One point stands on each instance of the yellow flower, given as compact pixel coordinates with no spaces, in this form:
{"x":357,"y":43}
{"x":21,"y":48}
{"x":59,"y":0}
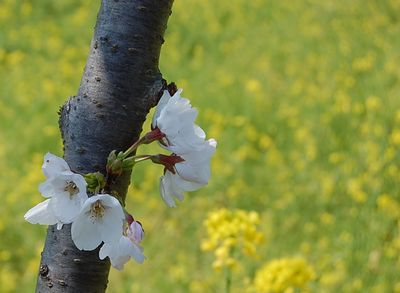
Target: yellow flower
{"x":230,"y":234}
{"x":284,"y":275}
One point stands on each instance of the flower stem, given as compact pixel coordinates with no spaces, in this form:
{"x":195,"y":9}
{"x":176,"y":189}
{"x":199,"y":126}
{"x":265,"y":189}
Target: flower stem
{"x":142,"y":158}
{"x":133,"y":147}
{"x":149,"y":137}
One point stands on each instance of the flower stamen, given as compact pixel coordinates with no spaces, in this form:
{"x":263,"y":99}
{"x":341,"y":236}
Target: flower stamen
{"x":71,"y":188}
{"x":97,"y":210}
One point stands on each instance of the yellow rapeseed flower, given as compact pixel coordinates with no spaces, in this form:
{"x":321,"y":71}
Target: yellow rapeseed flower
{"x":284,"y":275}
{"x":230,"y":234}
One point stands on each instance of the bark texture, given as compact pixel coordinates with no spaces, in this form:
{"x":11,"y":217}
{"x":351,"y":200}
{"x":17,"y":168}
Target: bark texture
{"x":120,"y":84}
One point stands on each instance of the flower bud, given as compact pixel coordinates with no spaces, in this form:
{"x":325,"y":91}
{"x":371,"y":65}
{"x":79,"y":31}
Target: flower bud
{"x":137,"y":231}
{"x":114,"y":163}
{"x":128,"y":163}
{"x":95,"y":181}
{"x":111,"y":157}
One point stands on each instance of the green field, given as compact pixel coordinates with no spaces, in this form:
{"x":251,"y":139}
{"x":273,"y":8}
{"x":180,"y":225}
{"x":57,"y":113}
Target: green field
{"x":303,"y":98}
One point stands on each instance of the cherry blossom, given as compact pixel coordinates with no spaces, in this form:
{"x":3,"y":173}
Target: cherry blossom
{"x":66,"y":193}
{"x":190,"y":175}
{"x":100,"y":220}
{"x":175,"y":118}
{"x":126,"y":248}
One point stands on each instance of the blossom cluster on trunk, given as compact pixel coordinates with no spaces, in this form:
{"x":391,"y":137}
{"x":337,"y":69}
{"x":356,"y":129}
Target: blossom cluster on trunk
{"x":96,"y":213}
{"x":175,"y":118}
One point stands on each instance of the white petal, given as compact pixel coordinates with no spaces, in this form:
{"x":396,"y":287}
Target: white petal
{"x":85,"y":233}
{"x":176,"y":190}
{"x":105,"y":250}
{"x":56,"y":183}
{"x":196,"y":167}
{"x":121,"y":251}
{"x":185,"y":141}
{"x":88,"y":203}
{"x":161,"y":104}
{"x":46,"y":188}
{"x":65,"y":207}
{"x":80,"y":182}
{"x":54,"y":165}
{"x":119,"y":261}
{"x":203,"y":153}
{"x":199,"y":132}
{"x":175,"y":114}
{"x":124,"y":246}
{"x":117,"y":257}
{"x":59,"y":181}
{"x":40,"y":214}
{"x":137,"y":253}
{"x":166,"y":192}
{"x":181,"y":184}
{"x":190,"y":139}
{"x":108,"y":201}
{"x":174,"y":121}
{"x":111,"y":227}
{"x":175,"y":118}
{"x":194,"y":173}
{"x":169,"y":189}
{"x":127,"y":247}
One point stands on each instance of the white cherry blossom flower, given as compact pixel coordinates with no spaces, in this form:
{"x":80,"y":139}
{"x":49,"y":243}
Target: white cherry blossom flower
{"x":100,"y":220}
{"x":190,"y":175}
{"x":66,"y":193}
{"x":52,"y":166}
{"x":175,"y":118}
{"x":126,"y":248}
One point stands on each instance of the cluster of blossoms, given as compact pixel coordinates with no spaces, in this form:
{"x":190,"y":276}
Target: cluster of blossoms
{"x":174,"y":119}
{"x":96,"y":219}
{"x":284,"y":275}
{"x":230,"y":233}
{"x":101,"y":218}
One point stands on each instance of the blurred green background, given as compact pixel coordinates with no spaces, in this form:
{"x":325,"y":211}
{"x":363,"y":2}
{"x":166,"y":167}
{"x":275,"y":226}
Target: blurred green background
{"x":303,"y":98}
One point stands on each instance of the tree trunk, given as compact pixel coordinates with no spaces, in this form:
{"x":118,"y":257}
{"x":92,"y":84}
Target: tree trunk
{"x":120,"y":84}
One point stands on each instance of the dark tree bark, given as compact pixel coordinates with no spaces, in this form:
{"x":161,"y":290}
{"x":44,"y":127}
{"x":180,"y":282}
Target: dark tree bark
{"x":121,"y":82}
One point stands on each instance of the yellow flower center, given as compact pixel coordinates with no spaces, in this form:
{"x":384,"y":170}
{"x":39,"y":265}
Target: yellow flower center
{"x":97,"y":210}
{"x":71,"y":188}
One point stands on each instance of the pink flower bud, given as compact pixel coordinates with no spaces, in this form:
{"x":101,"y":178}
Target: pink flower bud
{"x":136,"y":232}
